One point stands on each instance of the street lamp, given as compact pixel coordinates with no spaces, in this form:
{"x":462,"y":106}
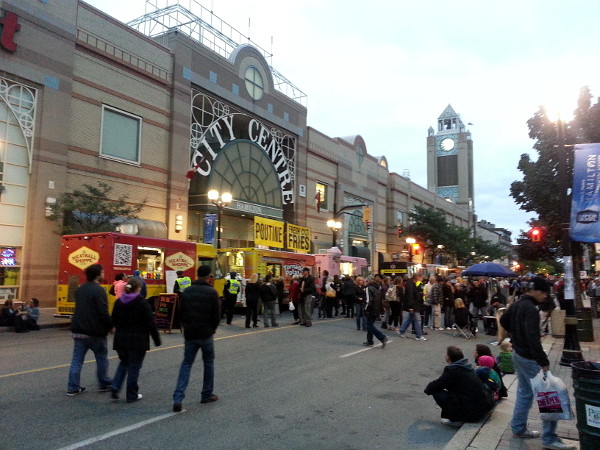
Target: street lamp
{"x":410,"y":241}
{"x":571,"y":348}
{"x":220,"y":203}
{"x":335,"y":226}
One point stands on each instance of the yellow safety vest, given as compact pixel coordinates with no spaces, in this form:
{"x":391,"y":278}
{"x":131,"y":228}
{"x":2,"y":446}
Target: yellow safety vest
{"x":184,"y":282}
{"x":234,"y":286}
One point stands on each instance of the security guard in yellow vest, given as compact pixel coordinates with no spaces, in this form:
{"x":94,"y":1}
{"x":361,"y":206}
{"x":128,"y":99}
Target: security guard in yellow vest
{"x":230,"y":292}
{"x":181,"y":283}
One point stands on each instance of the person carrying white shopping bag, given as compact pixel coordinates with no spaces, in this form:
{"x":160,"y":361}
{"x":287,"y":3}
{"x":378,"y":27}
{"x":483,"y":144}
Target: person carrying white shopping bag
{"x":522,"y":320}
{"x":552,"y":397}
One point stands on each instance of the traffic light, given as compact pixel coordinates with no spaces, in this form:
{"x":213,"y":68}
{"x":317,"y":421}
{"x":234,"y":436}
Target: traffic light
{"x":400,"y":231}
{"x":536,"y":235}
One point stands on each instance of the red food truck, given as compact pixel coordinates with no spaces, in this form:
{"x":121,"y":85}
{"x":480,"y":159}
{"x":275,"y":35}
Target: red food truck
{"x":158,"y":260}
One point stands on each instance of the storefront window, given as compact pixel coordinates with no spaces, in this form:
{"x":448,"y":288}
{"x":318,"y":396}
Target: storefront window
{"x":9,"y":273}
{"x":150,"y":262}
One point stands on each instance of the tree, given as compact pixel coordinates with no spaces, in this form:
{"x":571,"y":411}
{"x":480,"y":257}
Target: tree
{"x":91,"y":210}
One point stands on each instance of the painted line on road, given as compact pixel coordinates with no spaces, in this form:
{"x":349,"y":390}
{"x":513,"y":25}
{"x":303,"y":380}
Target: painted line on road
{"x":157,"y":349}
{"x":126,"y":429}
{"x":364,"y":349}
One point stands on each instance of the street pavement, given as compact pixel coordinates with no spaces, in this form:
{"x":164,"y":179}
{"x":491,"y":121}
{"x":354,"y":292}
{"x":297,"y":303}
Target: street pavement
{"x":280,"y":388}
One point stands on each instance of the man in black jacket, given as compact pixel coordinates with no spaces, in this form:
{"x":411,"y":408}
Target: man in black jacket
{"x":90,"y":325}
{"x":413,"y":303}
{"x":522,"y":320}
{"x":373,"y":311}
{"x":307,"y":292}
{"x":459,"y":391}
{"x":200,"y":317}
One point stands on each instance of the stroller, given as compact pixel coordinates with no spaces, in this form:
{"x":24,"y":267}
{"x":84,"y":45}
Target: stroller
{"x":465,"y":323}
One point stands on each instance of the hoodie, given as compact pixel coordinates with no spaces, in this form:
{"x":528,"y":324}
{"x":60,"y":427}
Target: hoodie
{"x":128,"y":298}
{"x":468,"y":399}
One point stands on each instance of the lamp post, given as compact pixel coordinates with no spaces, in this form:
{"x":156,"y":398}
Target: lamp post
{"x":571,"y":348}
{"x":220,"y":201}
{"x":335,"y":226}
{"x":410,"y":241}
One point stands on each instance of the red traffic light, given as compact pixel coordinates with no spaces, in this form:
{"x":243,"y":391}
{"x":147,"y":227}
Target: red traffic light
{"x":536,"y":234}
{"x":400,"y":231}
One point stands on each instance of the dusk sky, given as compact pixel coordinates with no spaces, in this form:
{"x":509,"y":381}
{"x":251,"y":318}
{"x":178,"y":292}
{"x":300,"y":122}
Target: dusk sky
{"x":386,"y":70}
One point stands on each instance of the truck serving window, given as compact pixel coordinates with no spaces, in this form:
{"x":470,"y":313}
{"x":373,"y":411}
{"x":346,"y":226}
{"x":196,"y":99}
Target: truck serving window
{"x":150,"y":261}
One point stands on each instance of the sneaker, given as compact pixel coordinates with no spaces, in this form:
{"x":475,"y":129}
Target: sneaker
{"x":275,"y":325}
{"x":212,"y":398}
{"x":421,"y":339}
{"x":114,"y":396}
{"x":448,"y":328}
{"x":106,"y":388}
{"x":451,"y":423}
{"x":367,"y":344}
{"x":527,"y":434}
{"x":403,"y":336}
{"x":139,"y":397}
{"x":177,"y":407}
{"x":266,"y":326}
{"x":384,"y":342}
{"x":81,"y":390}
{"x":560,"y":445}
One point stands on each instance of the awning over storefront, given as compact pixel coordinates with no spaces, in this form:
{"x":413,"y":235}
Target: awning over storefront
{"x":362,"y":252}
{"x":383,"y":257}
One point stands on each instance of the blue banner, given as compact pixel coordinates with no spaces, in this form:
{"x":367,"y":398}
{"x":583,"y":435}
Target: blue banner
{"x":210,"y":222}
{"x":585,"y":206}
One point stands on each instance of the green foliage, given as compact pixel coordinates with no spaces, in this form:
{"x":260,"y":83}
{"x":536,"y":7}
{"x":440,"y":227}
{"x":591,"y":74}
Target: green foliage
{"x":90,"y":210}
{"x":430,"y":228}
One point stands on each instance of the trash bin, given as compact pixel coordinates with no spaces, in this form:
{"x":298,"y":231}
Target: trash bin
{"x":586,"y":383}
{"x":585,"y":328}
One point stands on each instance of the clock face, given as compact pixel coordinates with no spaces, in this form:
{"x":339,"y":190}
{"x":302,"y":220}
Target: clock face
{"x":447,"y":144}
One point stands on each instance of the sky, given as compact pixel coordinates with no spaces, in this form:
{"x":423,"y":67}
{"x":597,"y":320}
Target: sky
{"x":386,"y":69}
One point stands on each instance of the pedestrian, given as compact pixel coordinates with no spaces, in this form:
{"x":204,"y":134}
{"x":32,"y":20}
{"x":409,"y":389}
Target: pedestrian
{"x":349,"y":294}
{"x":308,"y":291}
{"x":436,"y":299}
{"x":395,"y":295}
{"x":181,"y":283}
{"x":200,"y":318}
{"x":90,"y":325}
{"x":359,"y":304}
{"x":373,"y":309}
{"x":427,"y":309}
{"x":413,"y":303}
{"x":330,"y":296}
{"x":294,"y":298}
{"x":230,"y":291}
{"x":385,"y":304}
{"x":337,"y":287}
{"x":268,"y":295}
{"x":323,"y":294}
{"x":448,"y":304}
{"x":144,"y":291}
{"x":134,"y":324}
{"x":522,"y":320}
{"x":280,"y":288}
{"x":459,"y":391}
{"x":252,"y":298}
{"x":118,"y":286}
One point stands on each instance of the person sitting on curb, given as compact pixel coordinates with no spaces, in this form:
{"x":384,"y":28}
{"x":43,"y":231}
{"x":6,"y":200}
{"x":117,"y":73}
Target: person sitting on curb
{"x":459,"y":391}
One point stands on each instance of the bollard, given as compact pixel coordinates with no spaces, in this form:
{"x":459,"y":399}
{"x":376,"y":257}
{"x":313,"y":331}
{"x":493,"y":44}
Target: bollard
{"x":586,"y":383}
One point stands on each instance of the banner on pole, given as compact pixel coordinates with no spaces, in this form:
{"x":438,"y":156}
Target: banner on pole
{"x":210,"y":222}
{"x":585,"y":205}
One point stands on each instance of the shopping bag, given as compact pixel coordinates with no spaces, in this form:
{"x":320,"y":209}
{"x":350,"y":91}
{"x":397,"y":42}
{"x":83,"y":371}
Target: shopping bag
{"x":552,"y":397}
{"x":291,"y":306}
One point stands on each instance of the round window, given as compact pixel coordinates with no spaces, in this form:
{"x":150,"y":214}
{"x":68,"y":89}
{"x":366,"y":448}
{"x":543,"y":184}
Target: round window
{"x":254,"y":83}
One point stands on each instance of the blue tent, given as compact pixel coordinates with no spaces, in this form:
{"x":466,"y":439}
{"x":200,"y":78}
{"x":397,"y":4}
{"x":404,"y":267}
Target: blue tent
{"x":488,"y":270}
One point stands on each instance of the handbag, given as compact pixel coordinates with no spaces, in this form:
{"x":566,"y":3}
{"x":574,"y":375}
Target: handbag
{"x":330,"y":293}
{"x":552,"y":397}
{"x":291,"y":305}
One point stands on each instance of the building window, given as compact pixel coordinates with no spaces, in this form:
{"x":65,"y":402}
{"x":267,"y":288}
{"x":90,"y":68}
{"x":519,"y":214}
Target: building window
{"x":254,"y":83}
{"x":121,"y":135}
{"x":322,"y":190}
{"x":399,"y":218}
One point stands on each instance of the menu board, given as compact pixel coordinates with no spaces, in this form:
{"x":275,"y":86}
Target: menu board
{"x":166,"y":312}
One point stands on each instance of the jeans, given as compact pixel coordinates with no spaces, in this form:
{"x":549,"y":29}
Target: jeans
{"x":414,"y":318}
{"x":130,"y":365}
{"x":448,"y":311}
{"x":427,"y":316}
{"x":80,"y":347}
{"x":359,"y":313}
{"x":526,"y":369}
{"x":373,"y":330}
{"x":189,"y":355}
{"x":436,"y":311}
{"x":269,"y":310}
{"x":251,"y":311}
{"x":305,"y":309}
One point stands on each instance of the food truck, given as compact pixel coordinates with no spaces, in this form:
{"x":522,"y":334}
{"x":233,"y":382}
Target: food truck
{"x":158,"y":260}
{"x":246,"y":261}
{"x":337,"y":264}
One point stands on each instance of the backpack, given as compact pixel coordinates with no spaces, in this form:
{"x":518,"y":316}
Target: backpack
{"x":390,"y":294}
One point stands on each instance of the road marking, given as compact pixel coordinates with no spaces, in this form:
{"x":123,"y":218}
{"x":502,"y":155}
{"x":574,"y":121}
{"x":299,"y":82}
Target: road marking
{"x":364,"y":349}
{"x":127,"y":429}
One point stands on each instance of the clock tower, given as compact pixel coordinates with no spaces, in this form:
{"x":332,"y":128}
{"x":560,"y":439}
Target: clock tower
{"x":450,"y":160}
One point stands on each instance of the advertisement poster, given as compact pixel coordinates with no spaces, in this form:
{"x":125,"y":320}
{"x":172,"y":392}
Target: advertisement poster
{"x":210,"y":226}
{"x":585,"y":206}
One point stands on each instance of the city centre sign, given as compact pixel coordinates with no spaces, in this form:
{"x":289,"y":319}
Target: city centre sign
{"x":222,"y":129}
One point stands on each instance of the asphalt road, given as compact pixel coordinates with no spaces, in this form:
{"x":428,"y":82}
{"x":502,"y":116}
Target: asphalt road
{"x":280,"y":388}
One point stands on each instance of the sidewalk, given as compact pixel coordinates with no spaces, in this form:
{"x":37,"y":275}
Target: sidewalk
{"x":494,"y":432}
{"x":47,"y":320}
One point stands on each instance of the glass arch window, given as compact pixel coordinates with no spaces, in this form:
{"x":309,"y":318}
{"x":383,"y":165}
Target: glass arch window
{"x":254,"y":83}
{"x":246,"y":171}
